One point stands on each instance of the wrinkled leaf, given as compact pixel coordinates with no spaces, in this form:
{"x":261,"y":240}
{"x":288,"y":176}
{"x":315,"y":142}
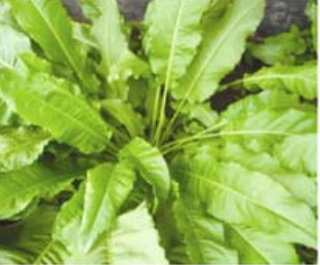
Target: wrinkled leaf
{"x":210,"y":65}
{"x":18,"y":189}
{"x":50,"y":105}
{"x":301,"y":80}
{"x":150,"y":164}
{"x":172,"y":44}
{"x":20,"y":147}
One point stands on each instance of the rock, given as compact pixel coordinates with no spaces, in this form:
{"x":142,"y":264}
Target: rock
{"x":279,"y":14}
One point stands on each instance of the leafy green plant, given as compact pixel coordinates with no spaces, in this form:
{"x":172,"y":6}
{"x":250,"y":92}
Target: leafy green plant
{"x":112,"y":153}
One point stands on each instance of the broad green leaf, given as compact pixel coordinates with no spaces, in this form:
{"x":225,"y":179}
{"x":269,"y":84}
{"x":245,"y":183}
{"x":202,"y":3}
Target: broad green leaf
{"x":50,"y":105}
{"x":267,"y":115}
{"x":49,"y":25}
{"x":299,"y":184}
{"x":18,"y":189}
{"x":299,"y":153}
{"x":150,"y":164}
{"x":237,"y":195}
{"x":20,"y":147}
{"x":84,"y":223}
{"x":301,"y":79}
{"x":107,"y":188}
{"x":172,"y":44}
{"x":210,"y":64}
{"x":118,"y":62}
{"x":135,"y":240}
{"x":280,"y":49}
{"x":125,"y":115}
{"x":67,"y":241}
{"x":256,"y":247}
{"x":12,"y":44}
{"x":204,"y":236}
{"x":25,"y":241}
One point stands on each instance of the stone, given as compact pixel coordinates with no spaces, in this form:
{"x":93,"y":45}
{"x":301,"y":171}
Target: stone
{"x":279,"y":14}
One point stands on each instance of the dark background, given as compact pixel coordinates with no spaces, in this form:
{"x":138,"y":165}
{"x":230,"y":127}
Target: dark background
{"x":279,"y":14}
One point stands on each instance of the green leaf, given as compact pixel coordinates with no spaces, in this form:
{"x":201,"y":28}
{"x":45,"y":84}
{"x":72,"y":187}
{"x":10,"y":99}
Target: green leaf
{"x":107,"y":188}
{"x":299,"y":184}
{"x":301,"y":80}
{"x":18,"y":189}
{"x":280,"y":49}
{"x":172,"y":44}
{"x":210,"y":64}
{"x":20,"y":147}
{"x":12,"y":44}
{"x":256,"y":247}
{"x":237,"y":195}
{"x":25,"y":241}
{"x":84,"y":223}
{"x":135,"y":240}
{"x":7,"y":116}
{"x":270,"y":111}
{"x":311,"y":12}
{"x":125,"y":114}
{"x":49,"y":25}
{"x":150,"y":164}
{"x":299,"y":153}
{"x":118,"y":62}
{"x":50,"y":105}
{"x":204,"y":236}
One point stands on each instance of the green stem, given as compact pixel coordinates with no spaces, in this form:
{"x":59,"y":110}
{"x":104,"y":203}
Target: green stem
{"x":155,"y":111}
{"x":177,"y":144}
{"x":209,"y":129}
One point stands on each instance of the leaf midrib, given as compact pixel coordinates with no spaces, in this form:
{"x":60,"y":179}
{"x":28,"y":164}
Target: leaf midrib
{"x":34,"y":142}
{"x":60,"y":112}
{"x":58,"y":39}
{"x":194,"y":230}
{"x":257,"y":250}
{"x":216,"y":48}
{"x":34,"y":187}
{"x":173,"y":45}
{"x":280,"y":76}
{"x":245,"y":197}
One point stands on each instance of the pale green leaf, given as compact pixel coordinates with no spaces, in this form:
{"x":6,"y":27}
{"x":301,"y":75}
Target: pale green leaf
{"x":299,"y":153}
{"x":301,"y":79}
{"x":237,"y":195}
{"x":280,"y":49}
{"x":118,"y":62}
{"x":20,"y":147}
{"x":273,"y":112}
{"x":299,"y":184}
{"x":204,"y":236}
{"x":50,"y":105}
{"x":84,"y":223}
{"x":20,"y":188}
{"x":256,"y":247}
{"x":210,"y":64}
{"x":125,"y":115}
{"x":135,"y":239}
{"x":172,"y":44}
{"x":150,"y":164}
{"x":7,"y":116}
{"x":12,"y":44}
{"x":106,"y":189}
{"x":49,"y":25}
